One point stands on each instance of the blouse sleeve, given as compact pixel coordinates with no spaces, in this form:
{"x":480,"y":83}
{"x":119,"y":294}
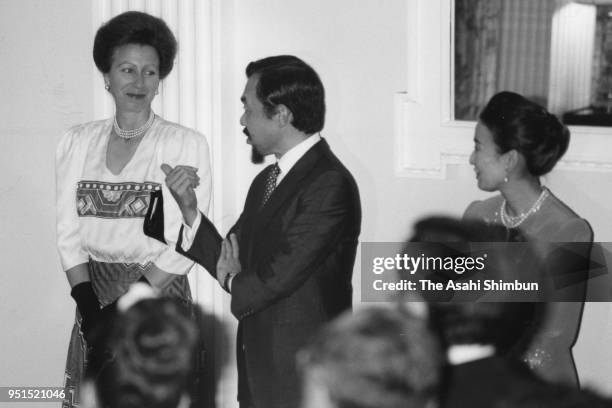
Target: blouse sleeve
{"x":69,"y":159}
{"x":188,"y":148}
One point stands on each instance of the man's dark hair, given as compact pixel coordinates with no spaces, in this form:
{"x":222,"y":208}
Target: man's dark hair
{"x":287,"y":80}
{"x":509,"y":326}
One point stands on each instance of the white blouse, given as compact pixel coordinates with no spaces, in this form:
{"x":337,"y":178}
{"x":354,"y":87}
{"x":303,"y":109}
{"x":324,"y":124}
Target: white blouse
{"x":100,"y":214}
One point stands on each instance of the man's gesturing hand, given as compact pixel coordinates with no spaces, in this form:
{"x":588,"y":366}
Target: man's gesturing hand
{"x":181,"y":180}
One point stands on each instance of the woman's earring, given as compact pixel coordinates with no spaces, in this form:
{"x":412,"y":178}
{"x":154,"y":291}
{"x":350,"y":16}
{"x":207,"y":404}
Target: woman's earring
{"x":506,"y":179}
{"x":107,"y":87}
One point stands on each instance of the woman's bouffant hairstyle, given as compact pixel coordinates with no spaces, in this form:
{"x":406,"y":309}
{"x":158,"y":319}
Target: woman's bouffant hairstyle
{"x":150,"y":356}
{"x":135,"y":27}
{"x":519,"y":124}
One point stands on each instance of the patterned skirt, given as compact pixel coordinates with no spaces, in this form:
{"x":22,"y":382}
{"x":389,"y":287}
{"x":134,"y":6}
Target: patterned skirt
{"x":109,"y":281}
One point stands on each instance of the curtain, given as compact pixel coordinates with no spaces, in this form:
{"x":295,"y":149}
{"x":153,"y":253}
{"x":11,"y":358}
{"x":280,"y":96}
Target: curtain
{"x":602,"y":60}
{"x":477,"y":38}
{"x":573,"y":38}
{"x":524,"y":52}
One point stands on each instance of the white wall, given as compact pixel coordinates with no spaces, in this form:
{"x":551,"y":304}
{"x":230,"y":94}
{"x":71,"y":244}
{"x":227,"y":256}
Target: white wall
{"x":45,"y":78}
{"x":360,"y":53}
{"x":360,"y":56}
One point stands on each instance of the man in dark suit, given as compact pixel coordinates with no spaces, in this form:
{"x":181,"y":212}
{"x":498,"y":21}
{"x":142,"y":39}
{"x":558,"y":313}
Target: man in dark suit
{"x":288,"y":260}
{"x":484,"y":340}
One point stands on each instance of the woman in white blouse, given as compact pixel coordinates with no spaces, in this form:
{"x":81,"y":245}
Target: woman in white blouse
{"x":107,"y":173}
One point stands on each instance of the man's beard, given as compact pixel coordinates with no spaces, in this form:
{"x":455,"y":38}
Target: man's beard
{"x":256,"y":157}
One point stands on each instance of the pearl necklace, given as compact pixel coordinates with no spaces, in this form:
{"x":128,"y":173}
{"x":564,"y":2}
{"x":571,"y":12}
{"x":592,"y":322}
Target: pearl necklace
{"x":131,"y":134}
{"x":514,"y":221}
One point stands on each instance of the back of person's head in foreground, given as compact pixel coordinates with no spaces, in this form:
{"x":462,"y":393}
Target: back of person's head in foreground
{"x":150,"y":357}
{"x":374,"y":358}
{"x":505,"y":325}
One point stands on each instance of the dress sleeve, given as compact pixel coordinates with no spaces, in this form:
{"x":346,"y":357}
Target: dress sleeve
{"x":575,"y":230}
{"x":471,"y":212}
{"x":69,"y":158}
{"x":188,"y":148}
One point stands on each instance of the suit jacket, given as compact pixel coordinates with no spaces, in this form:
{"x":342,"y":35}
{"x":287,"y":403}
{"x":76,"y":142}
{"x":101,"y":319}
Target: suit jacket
{"x":297,"y":254}
{"x":482,"y":383}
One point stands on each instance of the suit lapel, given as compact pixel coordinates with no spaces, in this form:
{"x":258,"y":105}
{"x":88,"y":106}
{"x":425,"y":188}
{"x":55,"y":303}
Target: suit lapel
{"x":289,"y":185}
{"x":251,"y":209}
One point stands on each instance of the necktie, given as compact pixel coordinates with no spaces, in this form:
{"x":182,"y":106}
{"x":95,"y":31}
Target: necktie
{"x":270,"y":182}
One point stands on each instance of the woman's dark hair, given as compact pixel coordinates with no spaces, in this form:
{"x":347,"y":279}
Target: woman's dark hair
{"x":519,"y":124}
{"x":287,"y":80}
{"x":135,"y":27}
{"x":150,"y":356}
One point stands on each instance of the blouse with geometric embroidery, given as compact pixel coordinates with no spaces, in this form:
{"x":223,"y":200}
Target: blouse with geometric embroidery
{"x":100,"y":214}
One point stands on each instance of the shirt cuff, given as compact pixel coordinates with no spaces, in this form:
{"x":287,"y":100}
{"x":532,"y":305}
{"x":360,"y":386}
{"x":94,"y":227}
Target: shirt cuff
{"x":189,"y":233}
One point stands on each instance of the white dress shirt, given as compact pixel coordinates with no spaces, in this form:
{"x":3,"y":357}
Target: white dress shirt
{"x":464,"y":353}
